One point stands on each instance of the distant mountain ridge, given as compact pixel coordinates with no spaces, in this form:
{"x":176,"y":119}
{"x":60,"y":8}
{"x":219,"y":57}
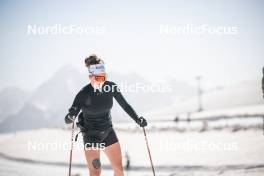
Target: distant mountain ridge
{"x":48,"y":104}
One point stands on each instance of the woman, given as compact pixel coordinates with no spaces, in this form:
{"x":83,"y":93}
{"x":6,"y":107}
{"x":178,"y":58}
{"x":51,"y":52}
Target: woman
{"x":95,"y":101}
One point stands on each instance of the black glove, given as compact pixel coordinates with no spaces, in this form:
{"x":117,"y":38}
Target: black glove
{"x":142,"y":122}
{"x":70,"y":117}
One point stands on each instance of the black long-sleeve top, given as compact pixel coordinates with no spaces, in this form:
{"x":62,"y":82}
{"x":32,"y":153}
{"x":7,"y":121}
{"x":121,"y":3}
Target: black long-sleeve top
{"x":96,"y":105}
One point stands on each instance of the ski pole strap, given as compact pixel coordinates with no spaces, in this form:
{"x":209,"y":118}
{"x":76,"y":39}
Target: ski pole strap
{"x":76,"y":136}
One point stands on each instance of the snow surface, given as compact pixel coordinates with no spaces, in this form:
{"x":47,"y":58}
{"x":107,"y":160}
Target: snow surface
{"x":209,"y":149}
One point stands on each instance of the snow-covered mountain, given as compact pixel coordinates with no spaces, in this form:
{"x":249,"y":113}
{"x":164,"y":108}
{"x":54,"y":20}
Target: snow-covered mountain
{"x":247,"y":93}
{"x":55,"y":96}
{"x":29,"y":117}
{"x":47,"y":105}
{"x":12,"y":100}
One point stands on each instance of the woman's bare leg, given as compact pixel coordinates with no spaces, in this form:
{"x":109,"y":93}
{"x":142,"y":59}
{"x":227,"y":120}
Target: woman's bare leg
{"x":92,"y":156}
{"x":113,"y":152}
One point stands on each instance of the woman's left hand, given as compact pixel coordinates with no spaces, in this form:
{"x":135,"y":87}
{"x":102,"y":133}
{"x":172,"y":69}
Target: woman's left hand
{"x":142,"y":122}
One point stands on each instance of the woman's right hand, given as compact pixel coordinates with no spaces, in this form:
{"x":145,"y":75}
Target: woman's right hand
{"x":70,"y":117}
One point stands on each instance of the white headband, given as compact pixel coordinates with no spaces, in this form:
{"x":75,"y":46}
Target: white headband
{"x":96,"y":69}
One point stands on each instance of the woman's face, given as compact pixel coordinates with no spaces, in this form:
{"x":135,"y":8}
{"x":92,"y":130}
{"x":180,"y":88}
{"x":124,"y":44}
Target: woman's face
{"x":97,"y":81}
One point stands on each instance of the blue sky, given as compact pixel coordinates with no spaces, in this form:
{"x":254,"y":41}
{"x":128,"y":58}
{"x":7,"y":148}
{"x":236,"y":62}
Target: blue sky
{"x":132,"y":41}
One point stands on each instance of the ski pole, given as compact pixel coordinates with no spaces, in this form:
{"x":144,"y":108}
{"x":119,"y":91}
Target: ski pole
{"x":71,"y":148}
{"x":149,"y":151}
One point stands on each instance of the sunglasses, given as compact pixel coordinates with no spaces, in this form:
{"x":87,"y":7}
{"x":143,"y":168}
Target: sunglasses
{"x":100,"y":78}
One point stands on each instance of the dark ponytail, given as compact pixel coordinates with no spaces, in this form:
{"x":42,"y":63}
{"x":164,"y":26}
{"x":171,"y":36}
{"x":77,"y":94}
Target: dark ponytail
{"x":92,"y":60}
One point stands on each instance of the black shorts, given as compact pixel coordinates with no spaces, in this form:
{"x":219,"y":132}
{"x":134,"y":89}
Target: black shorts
{"x":102,"y":140}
